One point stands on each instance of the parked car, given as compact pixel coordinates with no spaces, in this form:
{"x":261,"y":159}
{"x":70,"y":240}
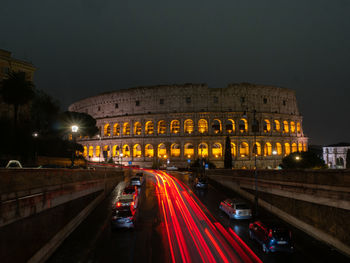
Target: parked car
{"x":271,"y":237}
{"x":201,"y":182}
{"x":236,"y":209}
{"x":172,"y":168}
{"x":14,"y":164}
{"x":122,"y":219}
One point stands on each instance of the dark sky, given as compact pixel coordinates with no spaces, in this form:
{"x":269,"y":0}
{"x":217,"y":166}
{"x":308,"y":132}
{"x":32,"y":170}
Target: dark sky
{"x":82,"y":48}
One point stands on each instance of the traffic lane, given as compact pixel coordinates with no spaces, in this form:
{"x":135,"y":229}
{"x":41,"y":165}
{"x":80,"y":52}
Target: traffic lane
{"x":193,"y":235}
{"x":307,"y":249}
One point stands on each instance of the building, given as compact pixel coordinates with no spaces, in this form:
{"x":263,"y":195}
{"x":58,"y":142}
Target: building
{"x":334,"y":155}
{"x":177,"y":124}
{"x":8,"y":64}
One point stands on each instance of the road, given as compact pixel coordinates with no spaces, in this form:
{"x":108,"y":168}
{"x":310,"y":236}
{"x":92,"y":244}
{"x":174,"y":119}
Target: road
{"x":191,"y":221}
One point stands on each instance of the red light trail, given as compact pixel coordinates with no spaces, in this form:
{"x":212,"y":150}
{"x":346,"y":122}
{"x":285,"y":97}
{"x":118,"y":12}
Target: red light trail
{"x":192,"y":236}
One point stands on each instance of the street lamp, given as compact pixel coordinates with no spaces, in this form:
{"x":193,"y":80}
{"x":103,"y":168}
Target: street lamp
{"x":35,"y":136}
{"x":274,"y":153}
{"x":75,"y":129}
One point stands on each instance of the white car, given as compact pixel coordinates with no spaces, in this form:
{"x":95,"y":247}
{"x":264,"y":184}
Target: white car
{"x":236,"y":209}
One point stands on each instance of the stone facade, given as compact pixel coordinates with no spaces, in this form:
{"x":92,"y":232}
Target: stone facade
{"x":335,"y":155}
{"x":184,"y":122}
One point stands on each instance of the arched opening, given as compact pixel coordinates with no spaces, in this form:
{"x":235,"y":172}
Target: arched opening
{"x":216,"y":150}
{"x":106,"y":152}
{"x":244,"y":149}
{"x":175,"y":150}
{"x":116,"y":129}
{"x":149,"y":128}
{"x":189,"y":150}
{"x":298,"y":127}
{"x":107,"y":130}
{"x":233,"y":149}
{"x":126,"y":128}
{"x":278,"y":148}
{"x":305,"y":147}
{"x":230,"y":126}
{"x":91,"y":151}
{"x":285,"y":127}
{"x":267,"y":149}
{"x":97,"y":151}
{"x":340,"y":162}
{"x":286,"y":148}
{"x":85,"y":151}
{"x":188,"y":126}
{"x":202,"y":126}
{"x":203,"y":150}
{"x":137,"y":152}
{"x":161,"y":127}
{"x":137,"y":128}
{"x":126,"y":150}
{"x":292,"y":126}
{"x":115,"y":151}
{"x":149,"y":151}
{"x":276,"y":126}
{"x":243,"y":125}
{"x":162,"y":151}
{"x":175,"y":126}
{"x":300,"y":147}
{"x":294,"y":147}
{"x":267,"y":126}
{"x":257,"y":149}
{"x":217,"y":128}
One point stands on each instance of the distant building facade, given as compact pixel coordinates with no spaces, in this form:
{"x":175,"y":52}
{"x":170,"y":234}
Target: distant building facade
{"x":8,"y":64}
{"x":177,"y":124}
{"x":335,"y":155}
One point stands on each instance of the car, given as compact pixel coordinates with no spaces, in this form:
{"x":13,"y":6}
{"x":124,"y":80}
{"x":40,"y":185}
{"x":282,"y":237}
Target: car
{"x":130,"y":190}
{"x":201,"y":182}
{"x":236,"y":209}
{"x":136,"y":181}
{"x":272,"y":237}
{"x":172,"y":168}
{"x":126,"y":202}
{"x":122,"y":219}
{"x":14,"y":164}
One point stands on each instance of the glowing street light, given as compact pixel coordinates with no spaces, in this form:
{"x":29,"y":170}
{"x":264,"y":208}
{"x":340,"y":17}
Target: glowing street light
{"x":75,"y":129}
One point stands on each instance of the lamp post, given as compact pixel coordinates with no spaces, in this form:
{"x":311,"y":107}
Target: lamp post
{"x":274,"y":153}
{"x":74,"y":132}
{"x":35,"y":136}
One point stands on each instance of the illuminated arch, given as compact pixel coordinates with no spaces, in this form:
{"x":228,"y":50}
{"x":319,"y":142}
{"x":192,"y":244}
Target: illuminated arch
{"x":97,"y":151}
{"x":267,"y":149}
{"x":188,"y":150}
{"x":203,"y":150}
{"x":243,"y":125}
{"x":276,"y":126}
{"x":115,"y":150}
{"x":107,"y":130}
{"x":286,"y":148}
{"x":216,"y":150}
{"x":202,"y":126}
{"x":230,"y":126}
{"x":188,"y":126}
{"x":137,"y":128}
{"x":91,"y":151}
{"x":267,"y":125}
{"x":149,"y":129}
{"x":126,"y":150}
{"x":257,"y":149}
{"x":161,"y":127}
{"x":217,"y":127}
{"x":126,"y":128}
{"x":244,"y":149}
{"x":298,"y":127}
{"x":106,"y":149}
{"x":162,"y":151}
{"x":285,"y":127}
{"x":149,"y":151}
{"x":137,"y":151}
{"x":175,"y":126}
{"x":304,"y":147}
{"x":175,"y":150}
{"x":292,"y":126}
{"x":233,"y":149}
{"x":300,"y":147}
{"x":85,"y":153}
{"x":278,"y":148}
{"x":116,"y":129}
{"x":294,"y":147}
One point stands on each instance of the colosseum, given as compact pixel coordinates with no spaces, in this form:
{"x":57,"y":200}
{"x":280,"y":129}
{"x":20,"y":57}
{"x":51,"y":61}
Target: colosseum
{"x":177,"y":124}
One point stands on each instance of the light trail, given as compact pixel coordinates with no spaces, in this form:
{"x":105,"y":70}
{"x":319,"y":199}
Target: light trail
{"x":192,"y":236}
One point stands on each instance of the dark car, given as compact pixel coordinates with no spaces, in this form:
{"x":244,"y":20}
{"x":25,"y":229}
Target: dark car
{"x":272,"y":237}
{"x":130,"y":190}
{"x":122,"y":219}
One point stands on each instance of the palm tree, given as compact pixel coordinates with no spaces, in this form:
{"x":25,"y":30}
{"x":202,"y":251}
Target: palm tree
{"x":17,"y":91}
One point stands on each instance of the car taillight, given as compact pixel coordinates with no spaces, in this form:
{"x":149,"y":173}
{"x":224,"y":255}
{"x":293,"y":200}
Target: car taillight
{"x":132,"y":203}
{"x":119,"y":204}
{"x":270,"y":233}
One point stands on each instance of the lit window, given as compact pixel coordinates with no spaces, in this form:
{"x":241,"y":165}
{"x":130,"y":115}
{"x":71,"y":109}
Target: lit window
{"x":126,"y":128}
{"x":203,"y":150}
{"x":230,"y":126}
{"x":107,"y":130}
{"x":285,"y":127}
{"x":257,"y":149}
{"x":175,"y":150}
{"x":188,"y":126}
{"x":189,"y":150}
{"x":149,"y":152}
{"x":116,"y":129}
{"x":149,"y":128}
{"x":175,"y":126}
{"x":217,"y":150}
{"x":202,"y":126}
{"x":267,"y":149}
{"x":267,"y":126}
{"x":286,"y":148}
{"x":276,"y":126}
{"x":161,"y":127}
{"x":244,"y":149}
{"x":137,"y":151}
{"x":217,"y":126}
{"x":233,"y":149}
{"x":243,"y":125}
{"x":162,"y":151}
{"x":137,"y":128}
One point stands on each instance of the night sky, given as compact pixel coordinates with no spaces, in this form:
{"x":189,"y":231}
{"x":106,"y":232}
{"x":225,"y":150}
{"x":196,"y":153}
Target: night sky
{"x":82,"y":48}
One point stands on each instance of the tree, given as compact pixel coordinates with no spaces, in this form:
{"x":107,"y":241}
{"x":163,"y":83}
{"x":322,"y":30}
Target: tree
{"x":302,"y":160}
{"x":228,"y":154}
{"x":348,"y":159}
{"x":17,"y":91}
{"x":85,"y":122}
